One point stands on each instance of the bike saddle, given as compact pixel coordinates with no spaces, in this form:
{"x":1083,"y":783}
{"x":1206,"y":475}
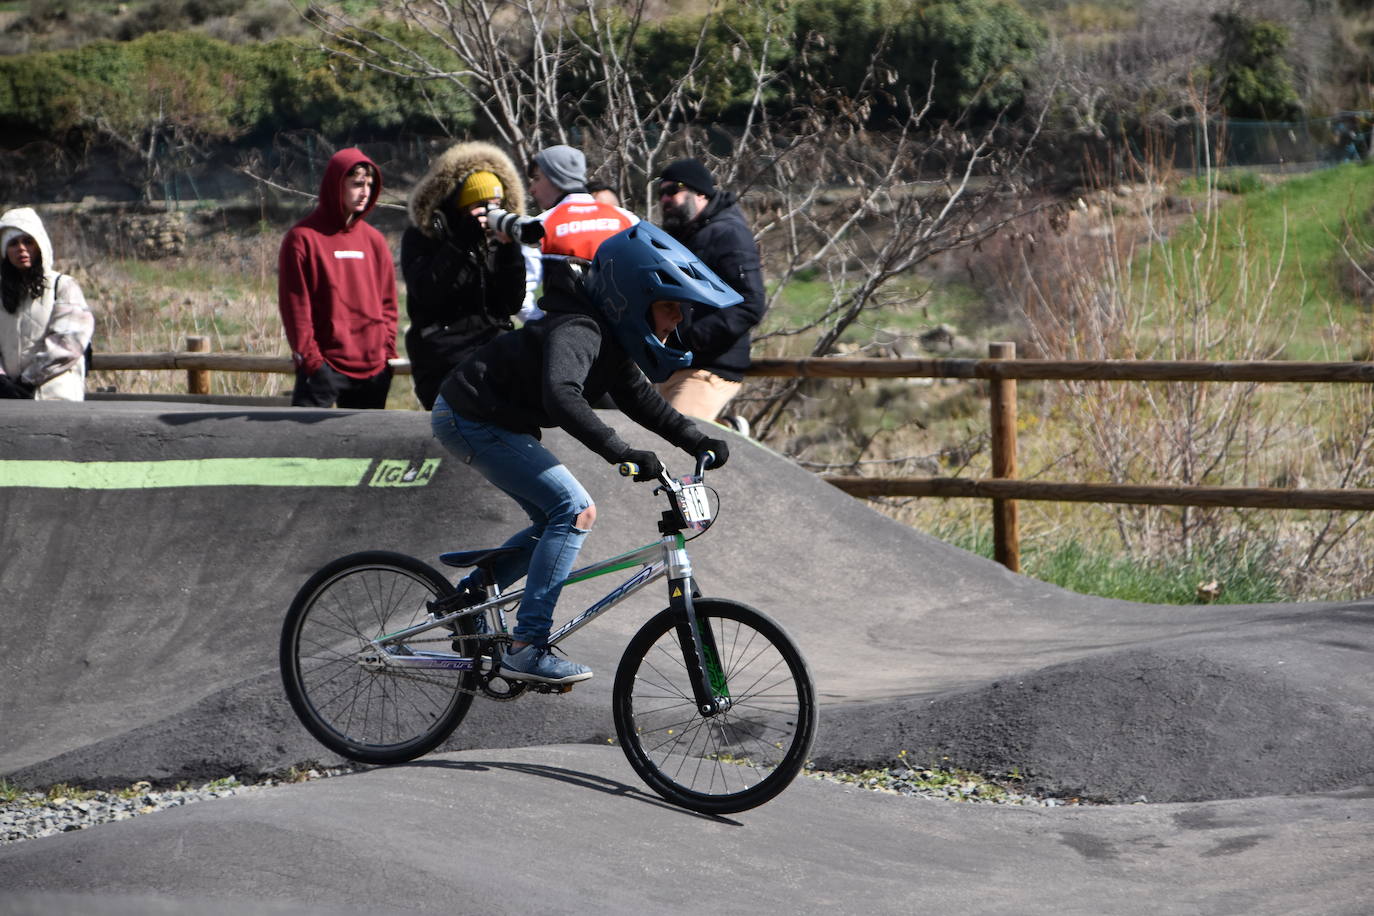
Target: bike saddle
{"x":462,"y":558}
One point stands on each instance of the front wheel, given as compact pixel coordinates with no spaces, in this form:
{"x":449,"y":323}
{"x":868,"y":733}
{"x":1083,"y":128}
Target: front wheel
{"x":351,"y":696}
{"x":740,"y":757}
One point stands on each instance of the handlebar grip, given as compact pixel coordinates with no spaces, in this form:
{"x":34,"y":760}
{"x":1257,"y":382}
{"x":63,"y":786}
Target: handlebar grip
{"x":705,"y":460}
{"x":628,"y":469}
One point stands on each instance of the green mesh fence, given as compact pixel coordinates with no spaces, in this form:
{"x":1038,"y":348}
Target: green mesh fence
{"x":1343,"y":137}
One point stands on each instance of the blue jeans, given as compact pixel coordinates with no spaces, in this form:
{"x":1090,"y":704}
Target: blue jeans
{"x":550,"y":495}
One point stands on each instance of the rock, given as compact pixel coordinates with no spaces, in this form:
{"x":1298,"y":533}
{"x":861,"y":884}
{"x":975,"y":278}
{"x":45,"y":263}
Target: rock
{"x":939,"y":339}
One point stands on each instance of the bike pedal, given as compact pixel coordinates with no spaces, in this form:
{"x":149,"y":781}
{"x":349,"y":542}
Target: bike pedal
{"x":551,"y":688}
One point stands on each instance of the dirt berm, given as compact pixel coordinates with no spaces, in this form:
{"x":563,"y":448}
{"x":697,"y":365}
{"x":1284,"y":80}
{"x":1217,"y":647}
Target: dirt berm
{"x":150,"y":552}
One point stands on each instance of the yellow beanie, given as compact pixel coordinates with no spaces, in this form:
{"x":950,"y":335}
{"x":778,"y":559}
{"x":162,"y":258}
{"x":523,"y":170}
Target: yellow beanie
{"x":480,"y":186}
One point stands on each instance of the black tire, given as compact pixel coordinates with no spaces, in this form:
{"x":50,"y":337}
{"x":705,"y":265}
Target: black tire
{"x":737,"y":759}
{"x":367,"y":712}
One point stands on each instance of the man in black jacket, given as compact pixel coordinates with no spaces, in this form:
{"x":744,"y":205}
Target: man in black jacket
{"x":708,"y":221}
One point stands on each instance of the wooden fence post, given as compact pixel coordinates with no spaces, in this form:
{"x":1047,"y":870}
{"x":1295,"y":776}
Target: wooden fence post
{"x":1006,"y":534}
{"x":198,"y":380}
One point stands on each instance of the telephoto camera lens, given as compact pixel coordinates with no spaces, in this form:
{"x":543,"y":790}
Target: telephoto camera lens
{"x":524,"y":229}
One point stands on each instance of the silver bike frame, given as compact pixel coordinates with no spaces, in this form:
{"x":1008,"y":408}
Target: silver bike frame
{"x":668,"y":556}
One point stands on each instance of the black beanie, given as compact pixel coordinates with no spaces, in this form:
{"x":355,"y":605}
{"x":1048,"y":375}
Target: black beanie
{"x":691,"y":173}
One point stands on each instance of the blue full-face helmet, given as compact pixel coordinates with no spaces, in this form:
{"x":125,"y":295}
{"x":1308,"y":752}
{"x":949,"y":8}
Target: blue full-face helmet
{"x":639,"y":266}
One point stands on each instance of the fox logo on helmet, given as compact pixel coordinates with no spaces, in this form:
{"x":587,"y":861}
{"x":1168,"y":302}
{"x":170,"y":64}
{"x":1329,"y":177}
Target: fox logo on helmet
{"x":613,"y":301}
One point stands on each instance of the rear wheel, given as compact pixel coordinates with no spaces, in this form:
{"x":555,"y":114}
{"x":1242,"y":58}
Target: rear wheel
{"x":347,"y":693}
{"x":738,"y":758}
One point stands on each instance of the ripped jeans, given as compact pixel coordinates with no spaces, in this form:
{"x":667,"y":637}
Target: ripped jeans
{"x":550,"y":495}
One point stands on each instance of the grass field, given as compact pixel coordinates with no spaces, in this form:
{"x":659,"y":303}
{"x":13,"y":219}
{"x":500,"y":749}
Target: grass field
{"x":1286,"y":245}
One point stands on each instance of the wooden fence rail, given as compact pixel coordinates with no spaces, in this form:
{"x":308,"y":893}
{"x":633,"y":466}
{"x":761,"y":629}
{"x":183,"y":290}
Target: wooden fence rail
{"x":1003,"y":370}
{"x":1047,"y":491}
{"x":190,"y":360}
{"x":1099,"y":370}
{"x":1124,"y":370}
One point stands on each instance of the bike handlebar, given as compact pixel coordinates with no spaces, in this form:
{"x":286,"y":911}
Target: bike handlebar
{"x":704,"y":461}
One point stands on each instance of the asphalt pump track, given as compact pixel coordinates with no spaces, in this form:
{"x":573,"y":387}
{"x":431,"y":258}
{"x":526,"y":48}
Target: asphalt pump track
{"x":149,"y":552}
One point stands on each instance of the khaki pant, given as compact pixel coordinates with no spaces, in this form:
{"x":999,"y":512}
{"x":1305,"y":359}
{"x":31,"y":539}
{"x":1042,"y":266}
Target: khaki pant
{"x":698,"y":393}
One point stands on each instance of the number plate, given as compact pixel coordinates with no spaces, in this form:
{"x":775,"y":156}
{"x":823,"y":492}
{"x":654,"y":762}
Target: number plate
{"x":696,"y":505}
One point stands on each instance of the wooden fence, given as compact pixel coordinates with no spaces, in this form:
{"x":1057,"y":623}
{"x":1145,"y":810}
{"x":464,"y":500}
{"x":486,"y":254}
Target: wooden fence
{"x":1002,"y":370}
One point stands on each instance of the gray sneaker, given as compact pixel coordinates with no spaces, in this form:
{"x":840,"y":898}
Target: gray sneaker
{"x":533,"y":663}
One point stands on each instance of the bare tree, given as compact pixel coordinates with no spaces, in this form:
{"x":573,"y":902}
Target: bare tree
{"x":1142,"y":71}
{"x":912,"y":195}
{"x":534,"y":70}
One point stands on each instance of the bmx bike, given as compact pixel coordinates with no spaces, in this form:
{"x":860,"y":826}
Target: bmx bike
{"x":714,"y":706}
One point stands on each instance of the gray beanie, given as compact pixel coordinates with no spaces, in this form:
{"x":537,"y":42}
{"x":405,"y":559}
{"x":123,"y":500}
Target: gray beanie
{"x":564,"y":166}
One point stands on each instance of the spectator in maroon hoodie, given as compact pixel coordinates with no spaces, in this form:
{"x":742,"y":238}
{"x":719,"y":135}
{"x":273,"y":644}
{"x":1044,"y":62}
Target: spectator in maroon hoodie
{"x":336,"y":289}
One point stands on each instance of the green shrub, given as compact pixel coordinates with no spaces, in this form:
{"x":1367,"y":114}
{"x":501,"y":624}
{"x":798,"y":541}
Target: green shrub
{"x":733,"y":40}
{"x":182,"y":80}
{"x":198,"y":87}
{"x":1242,"y":575}
{"x":36,"y":95}
{"x":1251,"y":71}
{"x":1235,"y":182}
{"x":339,"y":98}
{"x":836,"y":41}
{"x":976,"y":47}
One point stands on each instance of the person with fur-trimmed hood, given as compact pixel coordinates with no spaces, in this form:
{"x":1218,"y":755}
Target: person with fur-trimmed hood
{"x":45,"y":324}
{"x":464,"y":281}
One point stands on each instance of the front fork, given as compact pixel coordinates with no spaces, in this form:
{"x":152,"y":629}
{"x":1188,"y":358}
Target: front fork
{"x":698,"y":642}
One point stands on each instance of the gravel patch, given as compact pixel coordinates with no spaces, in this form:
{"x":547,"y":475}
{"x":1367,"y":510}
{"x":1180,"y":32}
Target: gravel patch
{"x":945,"y":785}
{"x":61,"y":809}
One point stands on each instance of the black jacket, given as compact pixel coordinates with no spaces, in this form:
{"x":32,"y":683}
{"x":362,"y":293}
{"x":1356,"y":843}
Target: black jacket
{"x":719,"y":338}
{"x":460,"y":293}
{"x":549,"y":372}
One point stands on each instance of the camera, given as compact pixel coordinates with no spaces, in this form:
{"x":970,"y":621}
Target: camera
{"x":524,"y":229}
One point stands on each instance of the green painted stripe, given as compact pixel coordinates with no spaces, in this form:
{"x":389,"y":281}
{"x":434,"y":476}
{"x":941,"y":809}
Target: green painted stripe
{"x":627,"y":560}
{"x":600,"y":571}
{"x":200,"y":472}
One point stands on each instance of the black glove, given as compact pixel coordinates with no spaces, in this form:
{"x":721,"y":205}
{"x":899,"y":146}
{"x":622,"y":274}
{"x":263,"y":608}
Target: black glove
{"x":15,"y":388}
{"x":649,"y":465}
{"x":716,"y":447}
